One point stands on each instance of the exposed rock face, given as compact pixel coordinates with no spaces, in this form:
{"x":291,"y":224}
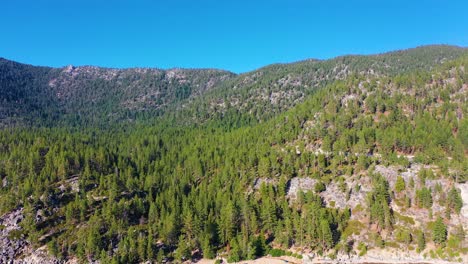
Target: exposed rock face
{"x":12,"y":242}
{"x":38,"y":256}
{"x":303,"y":184}
{"x":334,"y":195}
{"x":14,"y":248}
{"x":391,"y":173}
{"x":258,"y":182}
{"x":464,"y":194}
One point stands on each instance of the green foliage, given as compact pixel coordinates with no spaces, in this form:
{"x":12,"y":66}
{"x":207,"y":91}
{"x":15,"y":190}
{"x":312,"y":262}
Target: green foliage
{"x":235,"y":255}
{"x":424,"y":198}
{"x":407,"y":220}
{"x":362,"y":249}
{"x":454,"y":200}
{"x":320,"y":187}
{"x":354,"y":227}
{"x":453,"y":242}
{"x":326,"y":234}
{"x":183,"y":251}
{"x":378,"y":240}
{"x":403,"y":235}
{"x":177,"y":174}
{"x":258,"y":248}
{"x":400,"y":184}
{"x":379,"y":203}
{"x":207,"y":248}
{"x":421,"y":240}
{"x":439,"y":231}
{"x":52,"y":247}
{"x":276,"y":252}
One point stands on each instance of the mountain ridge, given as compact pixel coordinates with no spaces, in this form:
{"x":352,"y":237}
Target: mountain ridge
{"x":91,"y":94}
{"x":240,"y":73}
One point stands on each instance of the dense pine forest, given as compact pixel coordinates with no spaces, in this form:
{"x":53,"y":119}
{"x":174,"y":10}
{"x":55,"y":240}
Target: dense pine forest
{"x":335,"y":157}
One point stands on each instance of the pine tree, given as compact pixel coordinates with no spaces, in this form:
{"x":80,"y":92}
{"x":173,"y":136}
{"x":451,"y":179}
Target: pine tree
{"x":149,"y":246}
{"x":439,"y":231}
{"x":183,"y":251}
{"x":424,"y":198}
{"x":93,"y":241}
{"x":421,"y":239}
{"x":326,"y":234}
{"x":378,"y":202}
{"x":226,"y":222}
{"x":142,"y":247}
{"x":207,"y":248}
{"x":52,"y":246}
{"x":400,"y":184}
{"x":454,"y":201}
{"x":29,"y":224}
{"x":235,"y":255}
{"x":160,"y":256}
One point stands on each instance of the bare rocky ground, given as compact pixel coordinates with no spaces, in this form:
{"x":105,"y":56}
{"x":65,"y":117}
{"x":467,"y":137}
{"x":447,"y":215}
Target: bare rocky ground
{"x":258,"y":182}
{"x":379,"y":256}
{"x":464,"y":211}
{"x":373,"y":256}
{"x":263,"y":260}
{"x":11,"y":246}
{"x":422,"y":216}
{"x":14,"y":248}
{"x":300,"y":184}
{"x":413,"y":218}
{"x":333,"y":195}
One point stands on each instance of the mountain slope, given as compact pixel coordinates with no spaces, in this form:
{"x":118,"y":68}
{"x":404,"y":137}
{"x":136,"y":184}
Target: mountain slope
{"x":22,"y":91}
{"x":92,"y":94}
{"x":81,"y":95}
{"x":366,"y":164}
{"x":269,"y":91}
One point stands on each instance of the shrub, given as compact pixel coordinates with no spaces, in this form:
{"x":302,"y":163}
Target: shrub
{"x":319,"y":187}
{"x":362,"y":249}
{"x":276,"y":252}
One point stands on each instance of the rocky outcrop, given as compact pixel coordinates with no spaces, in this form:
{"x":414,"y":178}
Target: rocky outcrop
{"x":380,"y":256}
{"x":354,"y":194}
{"x":12,"y":241}
{"x":14,"y":247}
{"x":300,"y":184}
{"x":38,"y":256}
{"x":464,"y":194}
{"x":260,"y":181}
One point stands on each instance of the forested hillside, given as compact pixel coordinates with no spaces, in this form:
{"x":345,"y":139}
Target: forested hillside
{"x":87,"y":95}
{"x":349,"y":156}
{"x":93,"y":96}
{"x":269,"y":91}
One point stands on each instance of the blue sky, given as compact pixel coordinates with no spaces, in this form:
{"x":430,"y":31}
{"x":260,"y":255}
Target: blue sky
{"x":234,"y":35}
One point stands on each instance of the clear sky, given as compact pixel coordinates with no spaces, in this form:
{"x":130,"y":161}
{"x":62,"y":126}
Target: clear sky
{"x":236,"y":35}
